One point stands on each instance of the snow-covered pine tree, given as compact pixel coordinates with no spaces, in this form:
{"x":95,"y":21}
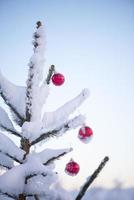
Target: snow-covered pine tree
{"x":28,"y":175}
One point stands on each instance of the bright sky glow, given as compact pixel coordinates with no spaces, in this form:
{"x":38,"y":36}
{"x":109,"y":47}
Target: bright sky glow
{"x":92,"y":44}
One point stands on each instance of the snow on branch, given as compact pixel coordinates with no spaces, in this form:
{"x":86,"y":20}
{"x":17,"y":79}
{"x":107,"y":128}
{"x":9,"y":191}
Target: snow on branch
{"x":71,"y":124}
{"x":5,"y":121}
{"x":10,"y":156}
{"x":10,"y":131}
{"x":33,"y":175}
{"x":56,"y":157}
{"x":8,"y":148}
{"x":12,"y":182}
{"x":35,"y":74}
{"x":5,"y":197}
{"x":37,"y":185}
{"x":6,"y":161}
{"x":6,"y":124}
{"x":60,"y":116}
{"x":14,"y":97}
{"x":49,"y":155}
{"x":15,"y":180}
{"x":9,"y":197}
{"x":40,"y":185}
{"x":4,"y":166}
{"x":39,"y":100}
{"x":54,"y":122}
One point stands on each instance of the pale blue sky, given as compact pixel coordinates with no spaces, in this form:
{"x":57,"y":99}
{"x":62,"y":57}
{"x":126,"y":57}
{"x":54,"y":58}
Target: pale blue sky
{"x":92,"y":43}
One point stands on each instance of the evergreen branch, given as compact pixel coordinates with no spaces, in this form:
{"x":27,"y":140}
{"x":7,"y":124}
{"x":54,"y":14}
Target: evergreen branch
{"x":8,"y":195}
{"x":50,"y":134}
{"x":56,"y":157}
{"x":11,"y":131}
{"x":31,"y":195}
{"x":12,"y":157}
{"x":5,"y":166}
{"x":29,"y":87}
{"x":72,"y":123}
{"x":23,"y":196}
{"x":50,"y":73}
{"x":28,"y":94}
{"x":91,"y":179}
{"x":21,"y":119}
{"x":33,"y":175}
{"x":36,"y":197}
{"x":44,"y":136}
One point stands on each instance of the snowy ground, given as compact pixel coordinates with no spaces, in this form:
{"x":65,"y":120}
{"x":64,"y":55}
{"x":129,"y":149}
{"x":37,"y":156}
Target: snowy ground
{"x":109,"y":194}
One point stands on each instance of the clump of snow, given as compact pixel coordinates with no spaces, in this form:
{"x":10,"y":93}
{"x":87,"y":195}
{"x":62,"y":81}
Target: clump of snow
{"x":13,"y":181}
{"x":31,"y":130}
{"x":39,"y":184}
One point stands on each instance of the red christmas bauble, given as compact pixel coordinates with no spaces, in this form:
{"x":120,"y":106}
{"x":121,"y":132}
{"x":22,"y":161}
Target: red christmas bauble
{"x":58,"y":79}
{"x":85,"y":133}
{"x":72,"y":168}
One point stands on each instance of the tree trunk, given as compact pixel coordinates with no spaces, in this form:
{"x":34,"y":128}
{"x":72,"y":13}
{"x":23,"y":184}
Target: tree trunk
{"x":25,"y":145}
{"x":22,"y":197}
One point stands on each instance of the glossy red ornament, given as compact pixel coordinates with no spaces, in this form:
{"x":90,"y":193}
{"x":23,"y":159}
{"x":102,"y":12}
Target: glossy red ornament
{"x":85,"y":133}
{"x":58,"y":79}
{"x":72,"y":168}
